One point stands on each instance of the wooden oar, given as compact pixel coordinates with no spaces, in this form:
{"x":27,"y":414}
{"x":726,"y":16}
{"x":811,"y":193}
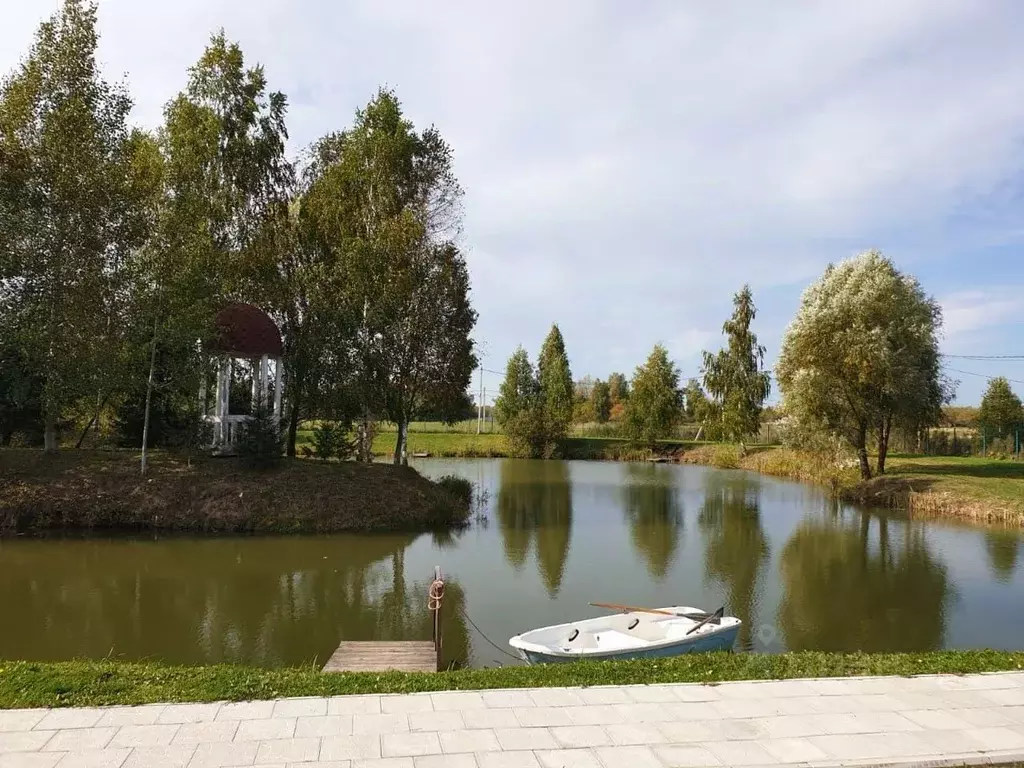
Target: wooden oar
{"x":716,"y":615}
{"x":638,"y":609}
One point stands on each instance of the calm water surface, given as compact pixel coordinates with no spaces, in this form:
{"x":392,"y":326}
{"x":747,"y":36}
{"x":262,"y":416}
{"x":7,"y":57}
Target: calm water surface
{"x":802,"y":571}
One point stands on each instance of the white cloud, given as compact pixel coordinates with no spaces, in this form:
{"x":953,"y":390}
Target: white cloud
{"x":628,"y":168}
{"x":969,"y":311}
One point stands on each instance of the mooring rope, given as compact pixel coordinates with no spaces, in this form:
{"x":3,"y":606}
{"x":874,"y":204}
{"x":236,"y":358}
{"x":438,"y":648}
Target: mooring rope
{"x":435,"y":595}
{"x":485,"y":637}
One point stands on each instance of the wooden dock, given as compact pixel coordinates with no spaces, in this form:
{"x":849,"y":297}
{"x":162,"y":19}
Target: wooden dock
{"x":375,"y":656}
{"x":402,"y":656}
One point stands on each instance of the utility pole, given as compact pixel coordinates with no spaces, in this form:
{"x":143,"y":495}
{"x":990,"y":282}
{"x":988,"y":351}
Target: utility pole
{"x":483,"y":403}
{"x":480,"y":402}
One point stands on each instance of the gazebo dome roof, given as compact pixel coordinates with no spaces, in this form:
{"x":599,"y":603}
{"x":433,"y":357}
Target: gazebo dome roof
{"x":246,"y":331}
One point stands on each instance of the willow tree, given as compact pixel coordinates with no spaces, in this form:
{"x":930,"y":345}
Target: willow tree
{"x":67,"y":211}
{"x":862,"y":356}
{"x":735,"y":378}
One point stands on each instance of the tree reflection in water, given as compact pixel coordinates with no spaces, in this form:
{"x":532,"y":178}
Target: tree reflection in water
{"x":736,"y":547}
{"x":1003,"y":548}
{"x":654,"y":512}
{"x":846,"y":590}
{"x":267,"y":601}
{"x":534,"y":504}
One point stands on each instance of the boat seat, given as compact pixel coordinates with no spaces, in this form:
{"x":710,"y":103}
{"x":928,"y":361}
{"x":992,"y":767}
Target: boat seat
{"x":613,"y":640}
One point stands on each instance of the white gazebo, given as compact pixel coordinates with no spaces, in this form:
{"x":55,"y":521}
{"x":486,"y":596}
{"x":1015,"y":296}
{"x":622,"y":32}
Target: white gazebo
{"x":246,"y":335}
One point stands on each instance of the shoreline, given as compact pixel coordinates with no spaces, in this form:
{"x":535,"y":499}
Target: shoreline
{"x":979,"y":491}
{"x":908,"y":487}
{"x":27,"y":684}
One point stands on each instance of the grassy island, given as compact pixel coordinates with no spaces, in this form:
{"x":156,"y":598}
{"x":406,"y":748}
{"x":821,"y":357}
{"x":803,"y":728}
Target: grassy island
{"x":103,"y":490}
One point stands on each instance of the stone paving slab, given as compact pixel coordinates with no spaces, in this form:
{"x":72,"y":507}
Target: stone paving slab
{"x":935,"y":720}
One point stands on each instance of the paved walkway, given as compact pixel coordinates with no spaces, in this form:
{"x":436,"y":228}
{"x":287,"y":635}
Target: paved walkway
{"x":935,"y":720}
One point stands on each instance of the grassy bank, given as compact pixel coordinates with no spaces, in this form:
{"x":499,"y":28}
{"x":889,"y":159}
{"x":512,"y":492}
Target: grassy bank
{"x":93,"y":683}
{"x":971,"y":488}
{"x":103,"y":490}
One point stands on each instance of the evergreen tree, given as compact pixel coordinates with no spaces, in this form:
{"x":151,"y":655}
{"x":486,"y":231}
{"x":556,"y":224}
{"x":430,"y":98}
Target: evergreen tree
{"x":556,"y":385}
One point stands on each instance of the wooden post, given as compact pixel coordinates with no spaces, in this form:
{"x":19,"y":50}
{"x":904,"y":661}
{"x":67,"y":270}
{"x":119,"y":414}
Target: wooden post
{"x":436,"y":596}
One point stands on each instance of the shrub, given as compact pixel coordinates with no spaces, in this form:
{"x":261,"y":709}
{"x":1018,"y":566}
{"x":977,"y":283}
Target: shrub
{"x":459,"y":487}
{"x":326,"y":438}
{"x":528,"y":435}
{"x":260,"y":440}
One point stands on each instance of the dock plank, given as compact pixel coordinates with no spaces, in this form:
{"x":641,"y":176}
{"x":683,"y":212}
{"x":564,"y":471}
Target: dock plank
{"x":374,"y":656}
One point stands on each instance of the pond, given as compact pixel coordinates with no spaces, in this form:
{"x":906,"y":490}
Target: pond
{"x":801,"y":570}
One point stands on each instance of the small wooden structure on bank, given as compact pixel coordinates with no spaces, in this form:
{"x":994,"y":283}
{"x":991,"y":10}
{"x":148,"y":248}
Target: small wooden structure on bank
{"x":402,"y":656}
{"x":246,"y":335}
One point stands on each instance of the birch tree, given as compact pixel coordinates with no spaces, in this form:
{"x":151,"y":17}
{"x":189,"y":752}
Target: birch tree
{"x":66,"y":210}
{"x":735,"y":378}
{"x":220,"y":159}
{"x":393,"y":216}
{"x":655,"y":401}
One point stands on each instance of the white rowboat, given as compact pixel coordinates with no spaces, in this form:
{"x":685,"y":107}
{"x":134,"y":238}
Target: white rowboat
{"x":633,"y":635}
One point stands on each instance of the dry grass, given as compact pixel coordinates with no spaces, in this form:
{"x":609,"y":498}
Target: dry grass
{"x":103,"y":490}
{"x":973,"y":489}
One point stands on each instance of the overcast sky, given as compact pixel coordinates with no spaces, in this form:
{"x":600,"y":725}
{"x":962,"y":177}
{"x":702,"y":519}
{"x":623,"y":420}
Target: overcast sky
{"x":628,"y":166}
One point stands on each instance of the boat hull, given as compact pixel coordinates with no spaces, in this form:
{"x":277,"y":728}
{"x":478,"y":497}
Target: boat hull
{"x":719,"y":641}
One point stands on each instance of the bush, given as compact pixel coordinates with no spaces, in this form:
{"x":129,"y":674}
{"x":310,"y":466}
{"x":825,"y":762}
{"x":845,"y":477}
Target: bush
{"x":1000,"y":448}
{"x":325,"y":440}
{"x":260,"y":440}
{"x":528,"y":436}
{"x":195,"y":435}
{"x":459,"y":487}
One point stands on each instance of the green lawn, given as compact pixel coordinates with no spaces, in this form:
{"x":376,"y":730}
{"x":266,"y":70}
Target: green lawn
{"x":95,"y":683}
{"x":979,"y":479}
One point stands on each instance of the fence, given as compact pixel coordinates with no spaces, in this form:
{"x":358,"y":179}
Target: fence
{"x":963,"y":441}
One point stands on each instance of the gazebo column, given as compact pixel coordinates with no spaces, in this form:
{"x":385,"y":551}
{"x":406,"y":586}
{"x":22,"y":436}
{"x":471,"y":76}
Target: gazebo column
{"x":218,"y":400}
{"x":225,"y":401}
{"x":264,"y":380}
{"x":278,"y":387}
